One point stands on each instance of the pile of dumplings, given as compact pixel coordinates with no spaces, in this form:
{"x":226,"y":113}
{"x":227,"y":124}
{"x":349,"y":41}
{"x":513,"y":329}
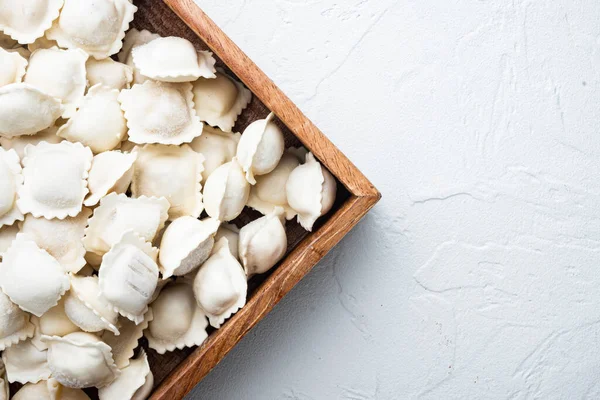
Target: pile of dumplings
{"x":106,"y":168}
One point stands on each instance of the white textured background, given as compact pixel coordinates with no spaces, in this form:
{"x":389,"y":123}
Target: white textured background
{"x":477,"y":276}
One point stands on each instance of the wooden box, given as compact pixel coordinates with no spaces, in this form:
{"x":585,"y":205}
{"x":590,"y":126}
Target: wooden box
{"x":176,"y":373}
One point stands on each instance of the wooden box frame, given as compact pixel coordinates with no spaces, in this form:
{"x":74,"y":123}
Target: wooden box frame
{"x":361,"y":195}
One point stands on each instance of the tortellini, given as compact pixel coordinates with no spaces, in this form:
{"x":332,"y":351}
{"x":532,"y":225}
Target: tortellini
{"x":29,"y":19}
{"x":172,"y":59}
{"x":220,"y":101}
{"x":160,"y":112}
{"x":96,"y":27}
{"x":31,"y":277}
{"x":262,"y":243}
{"x":60,"y":74}
{"x":11,"y":180}
{"x":220,"y":285}
{"x":99,"y":122}
{"x":12,"y":67}
{"x":178,"y":321}
{"x":310,"y":191}
{"x":226,"y":192}
{"x":80,"y":360}
{"x":186,"y":244}
{"x":55,"y":179}
{"x":25,"y":110}
{"x":260,"y":148}
{"x":171,"y":172}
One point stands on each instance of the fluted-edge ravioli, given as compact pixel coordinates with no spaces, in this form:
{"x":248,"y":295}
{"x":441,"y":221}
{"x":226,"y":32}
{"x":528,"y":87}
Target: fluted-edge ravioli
{"x":220,"y":101}
{"x":173,"y":59}
{"x":61,"y":238}
{"x":31,"y":277}
{"x":220,"y":286}
{"x":11,"y":180}
{"x":60,"y":74}
{"x":29,"y":20}
{"x":99,"y":122}
{"x":12,"y":67}
{"x":109,"y":72}
{"x":310,"y":191}
{"x":135,"y":38}
{"x":126,"y":342}
{"x":134,"y":383}
{"x":118,"y":214}
{"x":18,"y":143}
{"x":80,"y":360}
{"x":217,"y":147}
{"x":171,"y":172}
{"x":178,"y":321}
{"x":96,"y":27}
{"x":25,"y":363}
{"x":129,"y":275}
{"x":15,"y":324}
{"x":160,"y":112}
{"x":87,"y":308}
{"x":25,"y":110}
{"x":55,"y":179}
{"x":111,"y":172}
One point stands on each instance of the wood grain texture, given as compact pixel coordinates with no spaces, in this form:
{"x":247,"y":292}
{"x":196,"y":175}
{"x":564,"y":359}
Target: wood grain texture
{"x":176,"y":373}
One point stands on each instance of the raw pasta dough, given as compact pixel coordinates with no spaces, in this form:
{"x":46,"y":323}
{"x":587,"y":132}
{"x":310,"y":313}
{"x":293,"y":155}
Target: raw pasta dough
{"x":11,"y":180}
{"x":27,"y":21}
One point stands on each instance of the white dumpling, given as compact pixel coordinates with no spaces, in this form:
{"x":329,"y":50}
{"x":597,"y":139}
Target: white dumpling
{"x":54,"y":322}
{"x":18,"y":143}
{"x":118,"y":214}
{"x":55,"y":179}
{"x":29,"y":19}
{"x":173,"y":59}
{"x":87,"y":308}
{"x":186,"y":244}
{"x":220,"y":286}
{"x":134,"y":383}
{"x":12,"y":67}
{"x":31,"y":277}
{"x":15,"y":324}
{"x":124,"y":344}
{"x":60,"y":238}
{"x":99,"y":122}
{"x":129,"y":275}
{"x":25,"y":110}
{"x":310,"y":191}
{"x":41,"y":43}
{"x":261,"y":147}
{"x":80,"y":360}
{"x":49,"y":390}
{"x":11,"y":180}
{"x":220,"y":101}
{"x":25,"y":363}
{"x":178,"y":321}
{"x":109,"y":72}
{"x":232,"y":234}
{"x":135,"y":38}
{"x":160,"y":112}
{"x":111,"y":172}
{"x":96,"y":27}
{"x":226,"y":192}
{"x":8,"y":233}
{"x":269,"y":191}
{"x":263,"y":243}
{"x":217,"y":147}
{"x":60,"y":74}
{"x":171,"y":172}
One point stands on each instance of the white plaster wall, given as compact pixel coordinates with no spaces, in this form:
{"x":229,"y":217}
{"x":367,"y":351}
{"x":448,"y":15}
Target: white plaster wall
{"x":477,"y":276}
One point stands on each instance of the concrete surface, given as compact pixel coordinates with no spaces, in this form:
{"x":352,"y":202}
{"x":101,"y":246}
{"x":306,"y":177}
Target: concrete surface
{"x":477,"y":276}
